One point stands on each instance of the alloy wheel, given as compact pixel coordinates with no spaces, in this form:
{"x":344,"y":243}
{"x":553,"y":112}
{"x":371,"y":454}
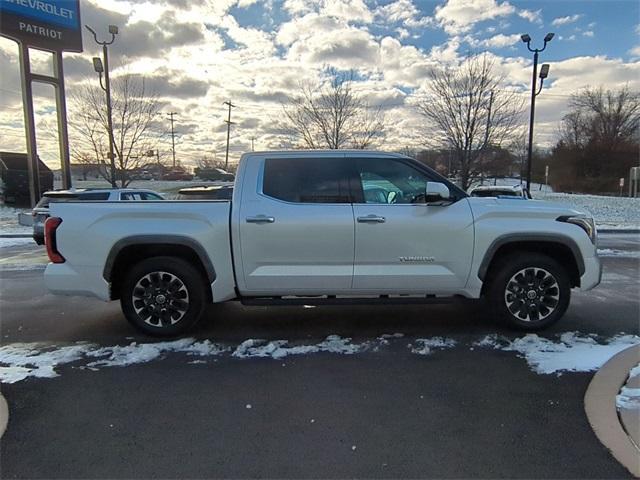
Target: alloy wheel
{"x":532,"y":294}
{"x":160,"y":299}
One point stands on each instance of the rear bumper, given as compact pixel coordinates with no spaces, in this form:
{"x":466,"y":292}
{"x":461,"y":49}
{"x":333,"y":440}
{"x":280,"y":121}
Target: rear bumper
{"x":63,"y":279}
{"x":592,"y":273}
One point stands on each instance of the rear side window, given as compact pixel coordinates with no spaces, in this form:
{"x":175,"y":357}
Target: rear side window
{"x":307,"y":180}
{"x":94,"y":196}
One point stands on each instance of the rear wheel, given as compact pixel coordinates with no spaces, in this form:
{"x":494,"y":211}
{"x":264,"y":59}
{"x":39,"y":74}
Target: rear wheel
{"x":529,"y":291}
{"x":163,"y":296}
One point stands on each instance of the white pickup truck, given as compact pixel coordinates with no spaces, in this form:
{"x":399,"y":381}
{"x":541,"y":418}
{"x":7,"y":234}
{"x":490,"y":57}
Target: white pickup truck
{"x":318,"y":227}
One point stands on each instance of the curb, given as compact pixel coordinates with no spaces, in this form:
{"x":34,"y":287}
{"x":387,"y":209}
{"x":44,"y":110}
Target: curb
{"x":600,"y":407}
{"x":623,"y":231}
{"x":4,"y":415}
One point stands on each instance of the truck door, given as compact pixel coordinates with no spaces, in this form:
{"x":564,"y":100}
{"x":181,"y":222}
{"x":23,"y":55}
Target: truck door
{"x":296,"y":227}
{"x":404,"y":245}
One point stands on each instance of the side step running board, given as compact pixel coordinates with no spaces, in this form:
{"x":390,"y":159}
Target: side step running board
{"x":331,"y":300}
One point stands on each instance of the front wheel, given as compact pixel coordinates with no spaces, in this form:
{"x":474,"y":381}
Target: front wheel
{"x":163,"y":296}
{"x":529,"y":291}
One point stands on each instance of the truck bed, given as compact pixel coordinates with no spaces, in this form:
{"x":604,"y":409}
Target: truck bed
{"x":90,"y":230}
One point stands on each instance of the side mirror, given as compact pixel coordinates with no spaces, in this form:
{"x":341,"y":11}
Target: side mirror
{"x":436,"y":192}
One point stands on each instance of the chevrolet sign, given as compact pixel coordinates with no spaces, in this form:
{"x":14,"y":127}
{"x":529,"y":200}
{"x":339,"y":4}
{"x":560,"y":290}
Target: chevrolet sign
{"x":52,"y":25}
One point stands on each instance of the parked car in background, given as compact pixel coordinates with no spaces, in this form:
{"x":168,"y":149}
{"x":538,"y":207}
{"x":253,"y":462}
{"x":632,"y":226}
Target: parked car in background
{"x":214,"y":174}
{"x":40,"y":212}
{"x":177,"y":174}
{"x":501,"y":191}
{"x":207,"y":192}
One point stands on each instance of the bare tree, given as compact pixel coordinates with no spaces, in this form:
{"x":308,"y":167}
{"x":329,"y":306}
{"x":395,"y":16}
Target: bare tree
{"x":602,"y":118}
{"x":134,"y":109}
{"x":332,"y":115}
{"x":467,"y":110}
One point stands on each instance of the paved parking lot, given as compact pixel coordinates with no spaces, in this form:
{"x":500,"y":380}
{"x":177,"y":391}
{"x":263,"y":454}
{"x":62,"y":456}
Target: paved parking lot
{"x":387,"y":411}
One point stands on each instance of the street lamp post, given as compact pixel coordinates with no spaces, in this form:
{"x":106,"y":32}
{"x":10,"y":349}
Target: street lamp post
{"x":544,"y":72}
{"x":99,"y":68}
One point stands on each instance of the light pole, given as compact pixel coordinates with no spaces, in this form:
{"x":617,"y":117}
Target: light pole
{"x":98,"y":67}
{"x":544,"y":71}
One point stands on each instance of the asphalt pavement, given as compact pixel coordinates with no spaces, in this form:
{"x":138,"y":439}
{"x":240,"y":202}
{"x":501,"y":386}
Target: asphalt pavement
{"x":386,"y":413}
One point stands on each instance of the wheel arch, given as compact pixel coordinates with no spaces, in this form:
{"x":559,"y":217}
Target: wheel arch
{"x":130,"y":250}
{"x":561,"y":248}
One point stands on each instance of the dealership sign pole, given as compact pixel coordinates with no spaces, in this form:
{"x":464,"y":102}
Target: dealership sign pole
{"x":52,"y":26}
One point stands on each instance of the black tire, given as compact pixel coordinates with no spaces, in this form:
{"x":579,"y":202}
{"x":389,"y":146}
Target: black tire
{"x":163,"y":296}
{"x":528,"y":291}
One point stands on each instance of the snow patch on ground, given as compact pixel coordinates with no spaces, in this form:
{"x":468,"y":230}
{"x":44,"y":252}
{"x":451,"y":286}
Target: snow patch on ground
{"x":425,"y":345}
{"x":629,"y":398}
{"x":574,"y":352}
{"x":19,"y":361}
{"x":279,"y":348}
{"x":23,"y":360}
{"x":12,"y":242}
{"x":135,"y":353}
{"x":610,"y":252}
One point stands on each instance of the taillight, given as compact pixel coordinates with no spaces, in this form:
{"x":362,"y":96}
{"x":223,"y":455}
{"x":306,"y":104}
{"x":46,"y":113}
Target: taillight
{"x":50,"y":227}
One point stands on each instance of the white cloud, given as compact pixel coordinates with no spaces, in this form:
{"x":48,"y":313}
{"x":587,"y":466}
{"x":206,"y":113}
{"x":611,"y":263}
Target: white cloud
{"x":566,"y":20}
{"x":533,"y":17}
{"x":459,"y":16}
{"x":501,"y":41}
{"x":635,"y":51}
{"x":348,"y":10}
{"x":588,"y":33}
{"x":404,"y":12}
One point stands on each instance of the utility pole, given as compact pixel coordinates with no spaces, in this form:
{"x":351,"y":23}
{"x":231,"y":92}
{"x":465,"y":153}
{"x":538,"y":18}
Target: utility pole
{"x":228,"y":122}
{"x":173,"y":138}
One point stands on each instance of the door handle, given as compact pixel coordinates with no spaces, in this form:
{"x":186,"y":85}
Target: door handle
{"x":371,"y":219}
{"x":260,"y":219}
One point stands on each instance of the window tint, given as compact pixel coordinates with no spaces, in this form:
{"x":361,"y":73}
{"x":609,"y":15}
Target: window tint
{"x":308,"y":180}
{"x":390,"y":181}
{"x":94,"y":196}
{"x":150,"y":196}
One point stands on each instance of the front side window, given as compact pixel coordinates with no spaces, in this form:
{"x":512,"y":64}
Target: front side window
{"x":306,"y":180}
{"x":390,"y":181}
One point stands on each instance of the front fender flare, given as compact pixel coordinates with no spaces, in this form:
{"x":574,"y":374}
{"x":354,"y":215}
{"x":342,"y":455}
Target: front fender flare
{"x":530,"y":237}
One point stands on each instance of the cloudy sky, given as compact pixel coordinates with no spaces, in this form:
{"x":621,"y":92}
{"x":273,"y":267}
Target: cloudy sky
{"x":200,"y":53}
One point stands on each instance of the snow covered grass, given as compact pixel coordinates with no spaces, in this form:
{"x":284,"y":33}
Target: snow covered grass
{"x":9,"y":220}
{"x":629,"y":397}
{"x":574,"y":352}
{"x":609,"y":212}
